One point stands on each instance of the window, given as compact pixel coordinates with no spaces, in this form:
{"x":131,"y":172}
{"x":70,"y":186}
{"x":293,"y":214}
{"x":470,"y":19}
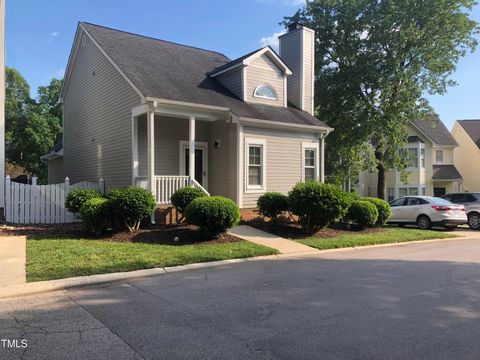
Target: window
{"x":391,"y":193}
{"x":422,"y":157}
{"x":439,"y":156}
{"x":255,"y":165}
{"x":412,"y":157}
{"x":408,"y":191}
{"x":265,"y":91}
{"x":402,"y":191}
{"x":309,"y":161}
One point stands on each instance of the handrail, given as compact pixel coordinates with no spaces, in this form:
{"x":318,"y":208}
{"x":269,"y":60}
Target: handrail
{"x":197,"y":185}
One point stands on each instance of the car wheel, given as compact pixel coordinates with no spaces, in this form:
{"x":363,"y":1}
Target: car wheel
{"x":453,"y":227}
{"x":474,"y":221}
{"x":423,"y":222}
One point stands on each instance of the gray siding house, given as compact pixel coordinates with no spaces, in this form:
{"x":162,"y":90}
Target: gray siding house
{"x":161,"y":115}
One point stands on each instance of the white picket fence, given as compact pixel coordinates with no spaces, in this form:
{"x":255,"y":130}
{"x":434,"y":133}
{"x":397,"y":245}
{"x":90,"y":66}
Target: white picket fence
{"x":41,"y":204}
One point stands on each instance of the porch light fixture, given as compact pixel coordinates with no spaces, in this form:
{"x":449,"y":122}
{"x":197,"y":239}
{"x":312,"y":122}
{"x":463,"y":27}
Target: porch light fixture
{"x":216,"y":144}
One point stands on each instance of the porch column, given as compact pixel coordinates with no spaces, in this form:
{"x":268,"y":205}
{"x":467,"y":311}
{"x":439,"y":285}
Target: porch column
{"x":134,"y":149}
{"x":191,"y":147}
{"x":322,"y":157}
{"x":151,"y":150}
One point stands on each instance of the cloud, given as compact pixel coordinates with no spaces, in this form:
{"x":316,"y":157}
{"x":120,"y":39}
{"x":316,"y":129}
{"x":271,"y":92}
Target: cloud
{"x":271,"y":40}
{"x":59,"y":73}
{"x":52,"y":35}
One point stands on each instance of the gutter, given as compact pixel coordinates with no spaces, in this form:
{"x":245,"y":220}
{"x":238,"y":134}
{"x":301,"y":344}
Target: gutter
{"x":277,"y":124}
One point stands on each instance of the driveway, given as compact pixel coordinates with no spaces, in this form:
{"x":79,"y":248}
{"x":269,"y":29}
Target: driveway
{"x":415,"y":301}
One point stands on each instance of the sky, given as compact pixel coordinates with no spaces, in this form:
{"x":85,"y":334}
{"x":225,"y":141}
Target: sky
{"x":40,"y":35}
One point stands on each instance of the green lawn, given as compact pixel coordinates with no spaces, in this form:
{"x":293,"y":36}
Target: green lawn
{"x":389,"y":235}
{"x":57,"y":258}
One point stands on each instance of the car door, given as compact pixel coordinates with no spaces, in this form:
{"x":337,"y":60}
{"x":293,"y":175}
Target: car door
{"x":411,"y":209}
{"x":396,"y":206}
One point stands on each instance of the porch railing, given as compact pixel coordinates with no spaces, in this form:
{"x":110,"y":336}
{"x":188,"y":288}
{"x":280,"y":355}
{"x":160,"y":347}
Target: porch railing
{"x":166,"y":185}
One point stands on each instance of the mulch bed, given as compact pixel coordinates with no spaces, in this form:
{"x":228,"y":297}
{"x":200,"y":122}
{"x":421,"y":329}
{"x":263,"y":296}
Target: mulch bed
{"x":287,"y":228}
{"x":178,"y":234}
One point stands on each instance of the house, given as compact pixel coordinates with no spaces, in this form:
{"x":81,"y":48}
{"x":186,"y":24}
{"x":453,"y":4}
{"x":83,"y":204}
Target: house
{"x":467,"y":154}
{"x":432,"y":169}
{"x":139,"y":110}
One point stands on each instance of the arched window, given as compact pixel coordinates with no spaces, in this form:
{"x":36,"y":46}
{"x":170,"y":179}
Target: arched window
{"x":265,"y":91}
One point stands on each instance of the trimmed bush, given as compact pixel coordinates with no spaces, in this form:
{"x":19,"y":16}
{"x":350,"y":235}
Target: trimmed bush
{"x":213,"y":214}
{"x":383,"y":208}
{"x":184,"y":196}
{"x":95,"y":213}
{"x":363,"y":214}
{"x":317,"y":205}
{"x":131,"y":205}
{"x":272,"y":204}
{"x":78,"y":197}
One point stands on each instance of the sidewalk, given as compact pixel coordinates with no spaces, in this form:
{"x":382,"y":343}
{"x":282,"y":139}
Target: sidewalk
{"x":260,"y":237}
{"x":12,"y":260}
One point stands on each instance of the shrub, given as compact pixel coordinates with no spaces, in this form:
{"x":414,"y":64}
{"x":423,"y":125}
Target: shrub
{"x":78,"y":197}
{"x":383,"y":208}
{"x":95,"y":213}
{"x":317,"y":204}
{"x":213,"y":214}
{"x":184,"y":196}
{"x":272,"y":204}
{"x":131,"y":205}
{"x":363,"y":213}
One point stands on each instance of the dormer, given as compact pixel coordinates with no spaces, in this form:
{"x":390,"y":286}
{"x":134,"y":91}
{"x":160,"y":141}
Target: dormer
{"x":258,"y":77}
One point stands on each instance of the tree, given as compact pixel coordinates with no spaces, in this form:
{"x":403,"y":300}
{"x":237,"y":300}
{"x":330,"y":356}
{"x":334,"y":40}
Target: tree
{"x":31,"y":126}
{"x":375,"y":60}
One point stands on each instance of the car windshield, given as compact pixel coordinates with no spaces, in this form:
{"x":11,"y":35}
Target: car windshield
{"x":440,"y":201}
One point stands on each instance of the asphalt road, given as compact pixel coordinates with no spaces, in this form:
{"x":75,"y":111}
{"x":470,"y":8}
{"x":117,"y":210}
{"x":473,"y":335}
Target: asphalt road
{"x":416,"y":301}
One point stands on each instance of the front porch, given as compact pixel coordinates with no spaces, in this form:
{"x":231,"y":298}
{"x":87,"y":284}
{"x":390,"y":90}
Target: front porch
{"x":175,"y":146}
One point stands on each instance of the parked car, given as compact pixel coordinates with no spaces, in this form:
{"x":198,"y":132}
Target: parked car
{"x":427,"y":211}
{"x":471,"y":201}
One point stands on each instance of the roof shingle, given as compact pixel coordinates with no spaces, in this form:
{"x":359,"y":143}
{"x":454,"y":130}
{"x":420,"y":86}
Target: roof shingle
{"x":434,"y":128}
{"x":165,"y":70}
{"x":445,"y":172}
{"x":472,"y":128}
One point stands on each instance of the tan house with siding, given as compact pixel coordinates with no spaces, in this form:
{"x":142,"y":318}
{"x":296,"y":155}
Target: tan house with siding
{"x":144,"y":111}
{"x":432,"y":171}
{"x":467,"y":154}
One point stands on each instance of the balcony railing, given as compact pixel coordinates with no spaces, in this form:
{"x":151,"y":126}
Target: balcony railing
{"x":166,"y":185}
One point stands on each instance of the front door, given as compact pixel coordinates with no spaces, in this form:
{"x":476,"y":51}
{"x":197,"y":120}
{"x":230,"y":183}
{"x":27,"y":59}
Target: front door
{"x":437,"y":192}
{"x":199,"y":171}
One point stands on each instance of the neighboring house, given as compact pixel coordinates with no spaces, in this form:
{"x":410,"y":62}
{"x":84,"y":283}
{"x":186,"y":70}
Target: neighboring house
{"x":467,"y":154}
{"x":138,"y":110}
{"x":431,"y":172}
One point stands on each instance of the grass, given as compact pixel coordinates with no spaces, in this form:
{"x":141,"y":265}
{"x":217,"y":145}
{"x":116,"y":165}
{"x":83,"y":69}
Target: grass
{"x":389,"y":235}
{"x":57,"y":258}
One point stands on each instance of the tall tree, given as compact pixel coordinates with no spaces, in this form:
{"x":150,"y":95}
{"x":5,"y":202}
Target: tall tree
{"x":375,"y":60}
{"x":31,"y":126}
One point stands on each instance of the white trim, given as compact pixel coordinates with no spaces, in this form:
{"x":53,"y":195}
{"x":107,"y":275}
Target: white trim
{"x":302,"y":72}
{"x":313,"y":73}
{"x":308,"y":145}
{"x":187,"y":104}
{"x":262,"y":143}
{"x":266,"y":97}
{"x":151,"y":150}
{"x":276,"y":59}
{"x":185,"y":144}
{"x":140,"y":110}
{"x":135,"y":160}
{"x":240,"y":174}
{"x":285,"y":97}
{"x":244,"y":83}
{"x":282,"y":125}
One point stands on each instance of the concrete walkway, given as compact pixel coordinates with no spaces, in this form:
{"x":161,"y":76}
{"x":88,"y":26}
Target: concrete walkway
{"x":260,"y":237}
{"x":12,"y":260}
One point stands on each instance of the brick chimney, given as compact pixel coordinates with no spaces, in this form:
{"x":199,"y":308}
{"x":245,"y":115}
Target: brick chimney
{"x":297,"y":50}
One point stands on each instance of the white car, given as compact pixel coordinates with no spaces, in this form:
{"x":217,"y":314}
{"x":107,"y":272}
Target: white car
{"x":427,"y":211}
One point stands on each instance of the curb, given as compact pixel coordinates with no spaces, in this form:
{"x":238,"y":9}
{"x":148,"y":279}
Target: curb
{"x":80,"y":281}
{"x":99,"y":279}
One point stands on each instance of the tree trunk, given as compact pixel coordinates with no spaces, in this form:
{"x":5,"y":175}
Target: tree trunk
{"x":381,"y":181}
